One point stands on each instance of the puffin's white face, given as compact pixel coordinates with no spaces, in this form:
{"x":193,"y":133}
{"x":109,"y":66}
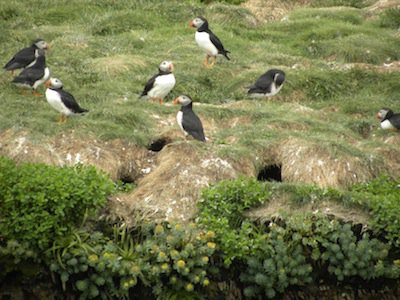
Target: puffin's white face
{"x":183,"y":100}
{"x":381,"y":115}
{"x":54,"y":83}
{"x":197,"y":22}
{"x":42,"y":44}
{"x":166,"y":66}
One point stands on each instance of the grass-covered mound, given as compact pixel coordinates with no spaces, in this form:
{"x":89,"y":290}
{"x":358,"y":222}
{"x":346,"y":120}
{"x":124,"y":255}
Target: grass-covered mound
{"x":342,"y":66}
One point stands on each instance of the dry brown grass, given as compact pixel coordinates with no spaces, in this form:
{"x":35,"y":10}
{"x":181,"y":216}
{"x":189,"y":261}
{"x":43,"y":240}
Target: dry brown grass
{"x":303,"y":162}
{"x":280,"y":207}
{"x":172,"y":188}
{"x":117,"y":158}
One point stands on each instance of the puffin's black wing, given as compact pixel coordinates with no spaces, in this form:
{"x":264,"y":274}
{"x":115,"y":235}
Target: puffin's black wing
{"x":395,"y":120}
{"x":70,"y":102}
{"x":262,"y":85}
{"x":192,"y":125}
{"x":21,"y":59}
{"x":149,"y":85}
{"x":29,"y":76}
{"x":218,"y":44}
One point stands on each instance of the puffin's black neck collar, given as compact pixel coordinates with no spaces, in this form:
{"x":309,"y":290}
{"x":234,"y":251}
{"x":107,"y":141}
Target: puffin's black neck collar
{"x":203,"y":27}
{"x":163,"y":72}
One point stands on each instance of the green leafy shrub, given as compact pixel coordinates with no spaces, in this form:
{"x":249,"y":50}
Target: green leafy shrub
{"x":276,"y":265}
{"x":176,"y":257}
{"x":170,"y":259}
{"x":382,"y":197}
{"x":221,"y":210}
{"x":311,"y":245}
{"x":40,"y":203}
{"x":94,"y":265}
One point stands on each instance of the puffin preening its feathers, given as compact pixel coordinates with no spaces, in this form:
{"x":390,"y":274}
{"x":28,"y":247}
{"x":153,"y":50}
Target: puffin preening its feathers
{"x":158,"y":86}
{"x":208,"y":41}
{"x":187,"y":120}
{"x":389,"y":120}
{"x":26,"y":57}
{"x":61,"y":100}
{"x":269,"y":84}
{"x":35,"y":75}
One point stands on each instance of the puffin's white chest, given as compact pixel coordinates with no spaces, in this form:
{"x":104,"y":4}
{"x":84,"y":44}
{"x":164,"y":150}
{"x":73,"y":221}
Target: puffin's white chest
{"x":162,"y":86}
{"x":204,"y":42}
{"x":43,"y":79}
{"x":274,"y":90}
{"x":54,"y":99}
{"x":386,"y":125}
{"x":179,"y":118}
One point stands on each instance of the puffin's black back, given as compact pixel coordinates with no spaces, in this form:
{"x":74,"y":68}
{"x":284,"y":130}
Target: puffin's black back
{"x":213,"y":38}
{"x":21,"y":59}
{"x":263,"y":83}
{"x":150,"y":83}
{"x":33,"y":73}
{"x":70,"y":102}
{"x":192,"y":124}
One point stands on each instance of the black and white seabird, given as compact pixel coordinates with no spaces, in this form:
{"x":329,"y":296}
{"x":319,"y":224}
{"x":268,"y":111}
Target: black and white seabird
{"x":158,"y":86}
{"x":269,"y":84}
{"x":61,"y":100}
{"x":187,"y":120}
{"x":26,"y":57}
{"x":35,"y":75}
{"x":389,"y":120}
{"x":208,"y":41}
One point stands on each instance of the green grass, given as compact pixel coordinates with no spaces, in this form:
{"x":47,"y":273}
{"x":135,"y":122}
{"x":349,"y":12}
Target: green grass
{"x":104,"y":52}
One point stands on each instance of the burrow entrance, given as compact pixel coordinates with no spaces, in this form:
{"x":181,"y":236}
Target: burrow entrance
{"x":270,"y":173}
{"x":158,"y":144}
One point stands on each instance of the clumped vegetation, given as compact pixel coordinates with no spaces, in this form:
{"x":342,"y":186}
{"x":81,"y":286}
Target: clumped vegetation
{"x":105,"y":260}
{"x":336,"y":60}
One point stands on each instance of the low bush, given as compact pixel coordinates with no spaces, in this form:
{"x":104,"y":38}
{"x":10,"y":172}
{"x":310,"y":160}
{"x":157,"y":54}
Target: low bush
{"x":221,"y":210}
{"x":169,"y":259}
{"x":382,"y":197}
{"x":40,"y":202}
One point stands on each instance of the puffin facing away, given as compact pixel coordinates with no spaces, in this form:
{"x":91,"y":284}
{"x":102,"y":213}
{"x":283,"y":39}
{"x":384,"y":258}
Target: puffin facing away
{"x":61,"y":100}
{"x":25,"y":57}
{"x":35,"y":75}
{"x":187,"y":120}
{"x":158,"y":86}
{"x":269,"y":84}
{"x":389,"y":120}
{"x":208,"y":41}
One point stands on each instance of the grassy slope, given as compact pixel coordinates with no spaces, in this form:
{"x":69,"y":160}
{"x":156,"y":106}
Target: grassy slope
{"x":104,"y":52}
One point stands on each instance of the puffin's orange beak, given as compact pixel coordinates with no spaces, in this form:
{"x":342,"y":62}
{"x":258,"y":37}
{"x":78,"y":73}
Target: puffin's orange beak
{"x":175,"y":101}
{"x":191,"y":24}
{"x":172,"y":67}
{"x":378,"y":115}
{"x":47,"y":83}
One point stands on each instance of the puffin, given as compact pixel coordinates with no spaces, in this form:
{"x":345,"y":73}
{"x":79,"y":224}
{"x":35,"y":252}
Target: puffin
{"x":158,"y":86}
{"x":389,"y":119}
{"x":269,"y":84}
{"x":26,"y":57}
{"x":61,"y":100}
{"x":208,"y":41}
{"x":35,"y":75}
{"x":187,"y":120}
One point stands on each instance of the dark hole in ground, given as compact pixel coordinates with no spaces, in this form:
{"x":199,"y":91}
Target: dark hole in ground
{"x":270,"y":173}
{"x":158,"y":144}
